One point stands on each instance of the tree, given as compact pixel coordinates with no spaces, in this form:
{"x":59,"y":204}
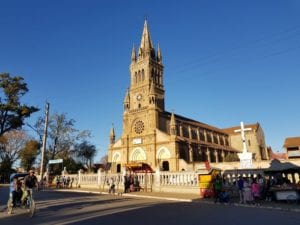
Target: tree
{"x":62,"y":135}
{"x":86,"y":152}
{"x":11,"y":144}
{"x":104,"y":159}
{"x":12,"y":112}
{"x":29,"y":153}
{"x":231,"y":158}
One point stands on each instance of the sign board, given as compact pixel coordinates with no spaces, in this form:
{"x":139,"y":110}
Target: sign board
{"x":137,"y":141}
{"x":55,"y":161}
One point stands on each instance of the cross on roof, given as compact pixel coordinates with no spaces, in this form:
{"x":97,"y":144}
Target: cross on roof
{"x":242,"y":130}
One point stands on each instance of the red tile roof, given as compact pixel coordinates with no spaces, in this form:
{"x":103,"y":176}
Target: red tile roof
{"x":291,"y":142}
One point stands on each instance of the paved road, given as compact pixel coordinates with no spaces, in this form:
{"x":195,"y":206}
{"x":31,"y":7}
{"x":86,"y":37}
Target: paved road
{"x":80,"y":208}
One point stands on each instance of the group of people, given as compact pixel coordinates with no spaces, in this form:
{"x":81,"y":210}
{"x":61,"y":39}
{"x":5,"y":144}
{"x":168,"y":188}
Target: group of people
{"x":64,"y":182}
{"x":22,"y":186}
{"x":252,"y":189}
{"x":131,"y":183}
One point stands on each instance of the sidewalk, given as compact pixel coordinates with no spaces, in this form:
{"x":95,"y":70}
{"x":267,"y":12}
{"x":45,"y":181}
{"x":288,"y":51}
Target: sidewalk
{"x":185,"y":197}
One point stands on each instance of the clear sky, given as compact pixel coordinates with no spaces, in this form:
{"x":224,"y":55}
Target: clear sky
{"x":225,"y":61}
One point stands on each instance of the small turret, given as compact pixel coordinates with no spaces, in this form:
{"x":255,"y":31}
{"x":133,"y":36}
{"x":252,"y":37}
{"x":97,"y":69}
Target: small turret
{"x":159,"y":56}
{"x":112,"y":136}
{"x":127,"y":101}
{"x":133,"y":55}
{"x":172,"y":125}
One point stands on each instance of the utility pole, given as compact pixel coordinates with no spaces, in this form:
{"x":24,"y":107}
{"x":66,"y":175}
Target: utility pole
{"x":44,"y":140}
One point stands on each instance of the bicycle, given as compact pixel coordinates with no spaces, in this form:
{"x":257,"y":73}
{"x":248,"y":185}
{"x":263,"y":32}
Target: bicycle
{"x":28,"y":203}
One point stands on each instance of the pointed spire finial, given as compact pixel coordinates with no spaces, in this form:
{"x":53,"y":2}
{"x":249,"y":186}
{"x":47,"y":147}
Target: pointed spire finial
{"x":159,"y":56}
{"x":112,"y":136}
{"x":146,"y":43}
{"x":133,"y":54}
{"x":172,"y":124}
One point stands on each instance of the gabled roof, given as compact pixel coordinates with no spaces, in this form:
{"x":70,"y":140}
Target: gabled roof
{"x":291,"y":142}
{"x":192,"y":122}
{"x":231,"y":130}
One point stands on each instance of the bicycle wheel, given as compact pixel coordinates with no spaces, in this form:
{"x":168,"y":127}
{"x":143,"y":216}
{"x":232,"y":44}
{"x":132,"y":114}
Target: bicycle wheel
{"x":30,"y":207}
{"x":10,"y":206}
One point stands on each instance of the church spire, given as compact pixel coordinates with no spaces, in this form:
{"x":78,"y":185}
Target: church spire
{"x":112,"y":136}
{"x":146,"y":47}
{"x":133,"y":55}
{"x":146,"y":43}
{"x":159,"y":56}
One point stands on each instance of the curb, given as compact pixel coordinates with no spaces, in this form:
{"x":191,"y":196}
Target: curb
{"x":184,"y":200}
{"x":128,"y":195}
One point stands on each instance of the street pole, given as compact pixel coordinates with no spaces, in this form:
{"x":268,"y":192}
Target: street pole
{"x":44,"y":140}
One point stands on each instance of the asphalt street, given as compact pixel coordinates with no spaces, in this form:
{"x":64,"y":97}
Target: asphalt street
{"x":82,"y":208}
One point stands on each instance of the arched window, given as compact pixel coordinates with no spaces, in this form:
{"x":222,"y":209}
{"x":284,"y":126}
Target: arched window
{"x":143,"y":75}
{"x":139,"y":76}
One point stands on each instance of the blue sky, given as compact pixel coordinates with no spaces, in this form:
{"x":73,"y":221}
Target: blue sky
{"x":225,"y":61}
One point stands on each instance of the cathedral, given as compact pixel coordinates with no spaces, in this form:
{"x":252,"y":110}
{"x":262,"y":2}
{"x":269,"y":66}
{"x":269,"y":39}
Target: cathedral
{"x":161,"y":139}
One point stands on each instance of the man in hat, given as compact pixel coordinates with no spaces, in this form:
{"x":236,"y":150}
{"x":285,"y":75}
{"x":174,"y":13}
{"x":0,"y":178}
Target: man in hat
{"x":30,"y":180}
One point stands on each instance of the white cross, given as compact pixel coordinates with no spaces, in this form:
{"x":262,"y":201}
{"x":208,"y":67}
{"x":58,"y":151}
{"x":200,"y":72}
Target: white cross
{"x":242,"y":130}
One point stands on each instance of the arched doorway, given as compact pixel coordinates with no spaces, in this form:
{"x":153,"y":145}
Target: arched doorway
{"x":163,"y":156}
{"x":165,"y":166}
{"x":118,"y":168}
{"x":116,"y":165}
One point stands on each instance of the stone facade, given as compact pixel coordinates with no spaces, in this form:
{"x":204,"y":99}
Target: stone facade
{"x":255,"y":140}
{"x":154,"y":136}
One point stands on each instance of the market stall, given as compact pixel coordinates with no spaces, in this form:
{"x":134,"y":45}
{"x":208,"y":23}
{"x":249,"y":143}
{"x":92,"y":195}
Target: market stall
{"x":284,"y":180}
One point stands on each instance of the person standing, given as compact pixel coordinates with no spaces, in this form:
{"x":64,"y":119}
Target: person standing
{"x":240,"y":184}
{"x":217,"y":187}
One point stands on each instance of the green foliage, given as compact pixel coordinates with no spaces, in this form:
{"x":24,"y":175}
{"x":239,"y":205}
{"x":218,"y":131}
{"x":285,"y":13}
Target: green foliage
{"x":12,"y":112}
{"x":231,"y":158}
{"x":5,"y":168}
{"x":72,"y":166}
{"x":86,"y":152}
{"x":29,"y":153}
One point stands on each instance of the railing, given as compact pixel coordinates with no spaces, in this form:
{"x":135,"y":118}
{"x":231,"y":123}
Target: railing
{"x":178,"y":179}
{"x":147,"y":181}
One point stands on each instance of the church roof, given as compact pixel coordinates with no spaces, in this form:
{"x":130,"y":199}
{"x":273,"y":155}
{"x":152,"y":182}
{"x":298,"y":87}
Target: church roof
{"x":231,"y":130}
{"x":194,"y":122}
{"x":291,"y":142}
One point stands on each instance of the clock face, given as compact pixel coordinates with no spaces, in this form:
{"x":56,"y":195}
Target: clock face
{"x":139,"y":97}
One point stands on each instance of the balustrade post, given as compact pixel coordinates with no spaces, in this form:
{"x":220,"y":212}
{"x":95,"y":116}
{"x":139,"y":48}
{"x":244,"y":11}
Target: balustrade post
{"x":79,"y":178}
{"x":157,"y":178}
{"x":99,"y":173}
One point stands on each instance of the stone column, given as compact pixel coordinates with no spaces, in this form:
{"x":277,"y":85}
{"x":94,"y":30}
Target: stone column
{"x":198,"y":134}
{"x":223,"y":155}
{"x":208,"y":155}
{"x":205,"y":136}
{"x":191,"y":153}
{"x":180,"y":130}
{"x":216,"y":155}
{"x":190,"y":132}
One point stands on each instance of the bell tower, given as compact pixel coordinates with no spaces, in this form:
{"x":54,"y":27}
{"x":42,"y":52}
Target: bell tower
{"x":145,"y":97}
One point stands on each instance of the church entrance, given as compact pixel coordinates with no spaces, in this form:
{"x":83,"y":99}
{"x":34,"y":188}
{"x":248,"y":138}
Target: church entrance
{"x":165,"y":166}
{"x":118,"y":168}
